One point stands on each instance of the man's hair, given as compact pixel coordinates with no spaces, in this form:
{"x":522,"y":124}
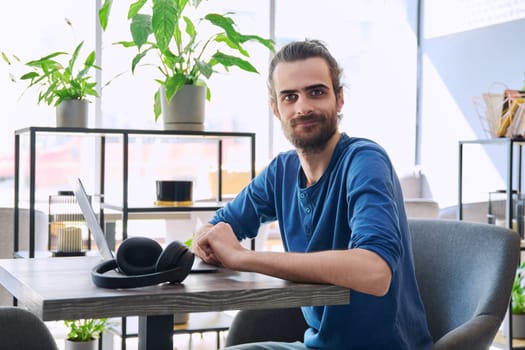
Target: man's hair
{"x":301,"y":50}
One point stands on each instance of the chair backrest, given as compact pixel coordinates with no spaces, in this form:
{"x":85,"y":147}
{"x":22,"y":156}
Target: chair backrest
{"x":7,"y":237}
{"x":465,"y":272}
{"x":21,"y":330}
{"x":250,"y":326}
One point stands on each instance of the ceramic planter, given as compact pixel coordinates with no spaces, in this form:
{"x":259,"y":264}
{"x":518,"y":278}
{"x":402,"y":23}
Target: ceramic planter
{"x":518,"y":326}
{"x":185,"y":111}
{"x":72,"y":114}
{"x":81,"y":345}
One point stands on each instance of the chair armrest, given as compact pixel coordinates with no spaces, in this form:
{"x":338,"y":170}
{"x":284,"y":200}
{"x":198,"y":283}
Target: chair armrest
{"x":474,"y":334}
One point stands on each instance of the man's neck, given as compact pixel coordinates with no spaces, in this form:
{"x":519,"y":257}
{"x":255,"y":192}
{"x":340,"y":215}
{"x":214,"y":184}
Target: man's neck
{"x":315,"y":164}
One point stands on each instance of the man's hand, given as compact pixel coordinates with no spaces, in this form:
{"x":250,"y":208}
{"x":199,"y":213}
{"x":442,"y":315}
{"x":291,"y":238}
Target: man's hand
{"x":219,"y":245}
{"x":194,"y":245}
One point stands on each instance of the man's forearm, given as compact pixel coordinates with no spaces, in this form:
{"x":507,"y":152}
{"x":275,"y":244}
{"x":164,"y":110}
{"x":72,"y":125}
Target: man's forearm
{"x":359,"y":269}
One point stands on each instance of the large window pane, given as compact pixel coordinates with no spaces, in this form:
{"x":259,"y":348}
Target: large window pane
{"x":238,"y":99}
{"x":30,"y":30}
{"x":375,"y":43}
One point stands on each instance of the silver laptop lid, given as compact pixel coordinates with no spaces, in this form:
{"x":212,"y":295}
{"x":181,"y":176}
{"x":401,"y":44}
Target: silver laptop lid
{"x":92,"y":222}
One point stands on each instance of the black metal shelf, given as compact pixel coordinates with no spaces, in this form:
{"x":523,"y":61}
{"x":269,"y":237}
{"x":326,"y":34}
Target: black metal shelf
{"x":123,"y":205}
{"x":511,"y":189}
{"x":199,"y":206}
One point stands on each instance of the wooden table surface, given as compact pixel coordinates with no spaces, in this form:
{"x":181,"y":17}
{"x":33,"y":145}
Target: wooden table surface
{"x":61,"y":288}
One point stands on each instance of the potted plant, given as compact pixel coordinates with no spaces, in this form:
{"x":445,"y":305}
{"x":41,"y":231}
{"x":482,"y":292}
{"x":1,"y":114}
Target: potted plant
{"x":83,"y":334}
{"x":518,"y":303}
{"x":187,"y":56}
{"x":62,"y":85}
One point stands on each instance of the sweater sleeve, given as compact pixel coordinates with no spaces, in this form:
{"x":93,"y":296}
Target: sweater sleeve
{"x":251,"y":207}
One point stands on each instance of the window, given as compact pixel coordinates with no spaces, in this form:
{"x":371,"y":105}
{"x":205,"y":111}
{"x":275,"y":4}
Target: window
{"x":374,"y":41}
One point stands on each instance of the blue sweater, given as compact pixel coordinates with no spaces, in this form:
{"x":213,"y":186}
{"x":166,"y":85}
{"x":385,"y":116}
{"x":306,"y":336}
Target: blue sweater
{"x":357,"y":203}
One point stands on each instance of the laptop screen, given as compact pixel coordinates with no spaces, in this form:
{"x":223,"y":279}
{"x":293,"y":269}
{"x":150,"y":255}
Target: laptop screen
{"x":92,"y":222}
{"x":100,"y":238}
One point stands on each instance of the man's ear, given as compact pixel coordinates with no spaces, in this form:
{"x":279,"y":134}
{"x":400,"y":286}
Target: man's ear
{"x":275,"y":109}
{"x":340,"y":100}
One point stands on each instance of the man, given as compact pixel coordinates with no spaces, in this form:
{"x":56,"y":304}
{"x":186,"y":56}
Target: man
{"x":340,"y":211}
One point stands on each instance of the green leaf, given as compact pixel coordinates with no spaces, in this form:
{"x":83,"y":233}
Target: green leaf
{"x":229,"y":61}
{"x":40,"y":61}
{"x":204,"y":68}
{"x":190,"y":30}
{"x":135,"y":7}
{"x":224,"y":22}
{"x":103,"y":13}
{"x":90,"y":60}
{"x":125,"y":43}
{"x":164,"y":20}
{"x":140,"y":28}
{"x":69,"y":69}
{"x":30,"y":75}
{"x":6,"y":59}
{"x":157,"y":110}
{"x":136,"y":60}
{"x":174,"y":84}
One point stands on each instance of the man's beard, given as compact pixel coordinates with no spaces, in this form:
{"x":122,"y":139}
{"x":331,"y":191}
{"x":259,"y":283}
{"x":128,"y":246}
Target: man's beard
{"x":318,"y":136}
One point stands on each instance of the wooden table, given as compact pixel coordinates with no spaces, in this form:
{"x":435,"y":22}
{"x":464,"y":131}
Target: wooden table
{"x":61,"y":288}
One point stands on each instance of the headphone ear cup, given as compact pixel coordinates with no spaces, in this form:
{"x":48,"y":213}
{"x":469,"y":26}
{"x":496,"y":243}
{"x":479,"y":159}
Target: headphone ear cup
{"x":138,"y":256}
{"x":176,"y":256}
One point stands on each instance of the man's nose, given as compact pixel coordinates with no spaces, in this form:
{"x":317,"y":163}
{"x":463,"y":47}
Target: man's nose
{"x":303,"y":106}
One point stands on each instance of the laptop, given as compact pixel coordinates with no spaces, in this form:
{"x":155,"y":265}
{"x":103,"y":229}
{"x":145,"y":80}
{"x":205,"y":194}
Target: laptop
{"x":100,"y":238}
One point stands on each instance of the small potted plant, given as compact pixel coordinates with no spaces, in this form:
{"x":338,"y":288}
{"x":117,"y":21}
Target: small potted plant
{"x":518,"y":303}
{"x":61,"y":83}
{"x":84,"y":334}
{"x":187,"y":55}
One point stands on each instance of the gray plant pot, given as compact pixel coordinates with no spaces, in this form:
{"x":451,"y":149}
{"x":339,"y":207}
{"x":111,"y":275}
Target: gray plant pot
{"x":518,"y":326}
{"x":72,"y":114}
{"x":185,"y":111}
{"x":84,"y":345}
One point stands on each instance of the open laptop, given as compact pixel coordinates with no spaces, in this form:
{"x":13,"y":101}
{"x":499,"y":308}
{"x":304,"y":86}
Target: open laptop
{"x":100,"y":238}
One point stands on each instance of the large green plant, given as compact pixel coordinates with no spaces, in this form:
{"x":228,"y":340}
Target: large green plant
{"x":186,"y":55}
{"x":518,"y":290}
{"x":85,"y":329}
{"x":58,"y":81}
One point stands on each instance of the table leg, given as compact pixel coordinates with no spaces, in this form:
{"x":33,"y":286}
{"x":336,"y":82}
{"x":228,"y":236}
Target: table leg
{"x":156,"y":332}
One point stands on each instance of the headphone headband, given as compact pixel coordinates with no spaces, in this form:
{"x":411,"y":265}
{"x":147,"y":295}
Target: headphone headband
{"x":177,"y":274}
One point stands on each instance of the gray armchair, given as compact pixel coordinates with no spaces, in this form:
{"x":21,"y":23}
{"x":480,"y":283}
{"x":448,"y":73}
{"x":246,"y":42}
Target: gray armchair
{"x":21,"y":330}
{"x":464,"y":270}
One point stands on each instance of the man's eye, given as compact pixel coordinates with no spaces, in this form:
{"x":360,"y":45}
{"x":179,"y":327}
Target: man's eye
{"x":290,"y":97}
{"x":317,"y":92}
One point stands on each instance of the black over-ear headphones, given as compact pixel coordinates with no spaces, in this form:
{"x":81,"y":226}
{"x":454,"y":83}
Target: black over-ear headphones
{"x":140,"y":262}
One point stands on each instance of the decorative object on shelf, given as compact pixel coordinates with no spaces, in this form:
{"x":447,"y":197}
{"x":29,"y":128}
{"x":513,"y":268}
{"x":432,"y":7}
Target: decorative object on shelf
{"x":66,"y":224}
{"x":83,"y":334}
{"x":502,"y":114}
{"x":63,"y":85}
{"x":174,"y":192}
{"x":518,"y":303}
{"x":185,"y":57}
